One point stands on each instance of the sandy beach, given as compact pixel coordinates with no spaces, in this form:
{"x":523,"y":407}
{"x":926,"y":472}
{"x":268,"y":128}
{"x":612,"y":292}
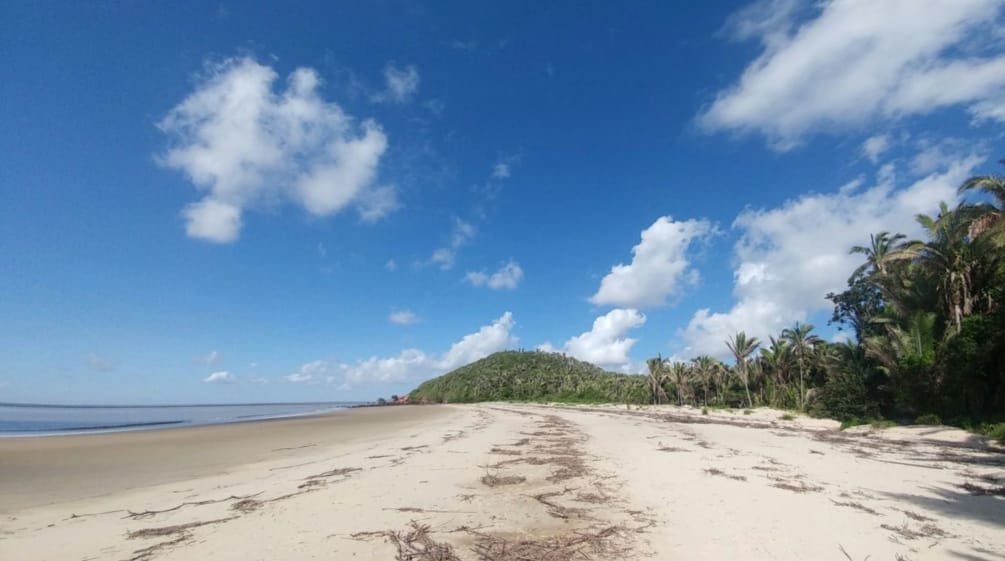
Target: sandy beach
{"x":505,"y":482}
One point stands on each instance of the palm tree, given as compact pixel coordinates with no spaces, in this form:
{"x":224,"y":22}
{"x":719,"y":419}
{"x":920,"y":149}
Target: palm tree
{"x":656,"y":379}
{"x":776,"y":360}
{"x":949,"y":257}
{"x":882,"y":250}
{"x":801,"y":341}
{"x":704,"y":367}
{"x":989,"y":221}
{"x":742,"y":347}
{"x":678,"y":374}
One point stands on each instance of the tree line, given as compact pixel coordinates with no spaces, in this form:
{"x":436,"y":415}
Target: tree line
{"x":926,"y":332}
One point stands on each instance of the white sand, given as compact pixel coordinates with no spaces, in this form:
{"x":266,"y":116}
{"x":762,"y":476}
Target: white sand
{"x":600,"y":482}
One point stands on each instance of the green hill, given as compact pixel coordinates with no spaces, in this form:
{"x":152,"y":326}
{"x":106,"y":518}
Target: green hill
{"x":531,"y":376}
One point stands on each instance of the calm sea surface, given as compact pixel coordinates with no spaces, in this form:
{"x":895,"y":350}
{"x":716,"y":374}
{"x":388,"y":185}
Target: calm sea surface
{"x":35,"y":420}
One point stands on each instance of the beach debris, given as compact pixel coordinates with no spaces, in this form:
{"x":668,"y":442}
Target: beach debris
{"x":720,"y":473}
{"x":556,"y":510}
{"x":980,"y":490}
{"x":247,"y":505}
{"x":491,"y":480}
{"x":857,"y":506}
{"x":575,"y":545}
{"x":413,"y":544}
{"x":797,"y":487}
{"x":311,"y":445}
{"x":925,"y":531}
{"x":181,"y":533}
{"x":152,"y":513}
{"x":505,"y":452}
{"x":332,"y":473}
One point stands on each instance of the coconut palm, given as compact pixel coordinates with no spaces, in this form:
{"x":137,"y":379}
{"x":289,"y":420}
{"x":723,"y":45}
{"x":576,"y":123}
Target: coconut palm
{"x":989,"y":221}
{"x":950,"y":258}
{"x":678,"y":372}
{"x":741,"y":346}
{"x":657,"y":376}
{"x":801,"y":341}
{"x":882,"y":250}
{"x":704,"y":367}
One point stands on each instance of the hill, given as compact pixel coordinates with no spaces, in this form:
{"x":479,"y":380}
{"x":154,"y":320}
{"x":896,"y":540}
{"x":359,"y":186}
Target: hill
{"x":531,"y":376}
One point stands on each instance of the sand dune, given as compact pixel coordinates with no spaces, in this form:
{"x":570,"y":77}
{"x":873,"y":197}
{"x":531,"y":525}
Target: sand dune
{"x":505,"y":482}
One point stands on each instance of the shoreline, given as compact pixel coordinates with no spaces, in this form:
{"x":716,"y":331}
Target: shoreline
{"x":478,"y":481}
{"x":62,"y":466}
{"x":113,"y":427}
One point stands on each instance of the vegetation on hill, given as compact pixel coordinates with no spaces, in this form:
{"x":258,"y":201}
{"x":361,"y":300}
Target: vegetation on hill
{"x":532,"y":376}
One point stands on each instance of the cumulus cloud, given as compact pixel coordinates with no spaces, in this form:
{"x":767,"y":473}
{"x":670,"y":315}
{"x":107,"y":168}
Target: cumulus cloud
{"x":310,"y":372}
{"x":852,"y":63}
{"x":788,"y":258}
{"x":403,"y":317}
{"x":221,"y":377}
{"x":416,"y":365}
{"x":875,"y":146}
{"x":445,"y":256}
{"x":507,"y":277}
{"x":606,"y":344}
{"x":660,"y":266}
{"x":400,"y":83}
{"x":246,"y":145}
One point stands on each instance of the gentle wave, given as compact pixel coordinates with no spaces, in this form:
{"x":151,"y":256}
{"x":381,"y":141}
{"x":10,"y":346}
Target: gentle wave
{"x":43,"y":420}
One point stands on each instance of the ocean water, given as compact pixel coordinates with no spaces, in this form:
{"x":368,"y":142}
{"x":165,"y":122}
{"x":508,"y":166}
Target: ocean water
{"x":37,"y":420}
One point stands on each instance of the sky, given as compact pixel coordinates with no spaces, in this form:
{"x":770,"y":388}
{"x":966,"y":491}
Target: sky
{"x":235,"y":202}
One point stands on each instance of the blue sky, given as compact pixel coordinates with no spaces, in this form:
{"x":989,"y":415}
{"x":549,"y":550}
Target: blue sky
{"x":232,"y":203}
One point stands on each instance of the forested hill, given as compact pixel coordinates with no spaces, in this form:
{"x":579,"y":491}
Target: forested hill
{"x":531,"y":376}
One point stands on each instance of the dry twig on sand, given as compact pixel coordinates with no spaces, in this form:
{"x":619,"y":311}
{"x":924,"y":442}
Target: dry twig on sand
{"x":151,"y":513}
{"x":414,"y":544}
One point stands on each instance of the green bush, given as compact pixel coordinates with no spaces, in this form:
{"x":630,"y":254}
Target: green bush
{"x":995,"y":431}
{"x":788,"y":417}
{"x":928,"y":419}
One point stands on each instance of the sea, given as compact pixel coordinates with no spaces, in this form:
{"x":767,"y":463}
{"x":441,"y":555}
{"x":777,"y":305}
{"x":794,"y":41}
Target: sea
{"x":44,"y":420}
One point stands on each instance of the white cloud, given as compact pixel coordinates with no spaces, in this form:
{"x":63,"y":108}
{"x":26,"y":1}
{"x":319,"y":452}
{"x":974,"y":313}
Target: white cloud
{"x":309,"y":372}
{"x":391,"y":265}
{"x":377,"y":203}
{"x":660,"y":266}
{"x":416,"y":365}
{"x":875,"y":146}
{"x":403,"y":317}
{"x":247,"y":146}
{"x":547,"y":347}
{"x":400,"y":83}
{"x":500,"y":171}
{"x":508,"y":276}
{"x":858,"y":62}
{"x":606,"y":344}
{"x":211,"y":358}
{"x":212,"y":220}
{"x":100,"y":363}
{"x":788,"y":258}
{"x":462,"y":233}
{"x":487,"y":340}
{"x":222,"y":377}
